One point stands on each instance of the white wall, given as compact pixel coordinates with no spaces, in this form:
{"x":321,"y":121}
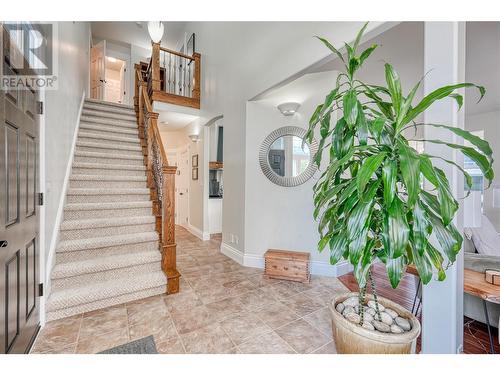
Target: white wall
{"x":241,"y":60}
{"x":282,"y":217}
{"x":62,"y":109}
{"x":490,"y":123}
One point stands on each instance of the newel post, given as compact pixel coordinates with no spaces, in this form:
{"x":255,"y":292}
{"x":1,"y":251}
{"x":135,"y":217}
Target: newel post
{"x":155,"y":67}
{"x":197,"y":76}
{"x":169,"y":247}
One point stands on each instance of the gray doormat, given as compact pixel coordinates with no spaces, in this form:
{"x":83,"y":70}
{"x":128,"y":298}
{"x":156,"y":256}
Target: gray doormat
{"x":146,"y":345}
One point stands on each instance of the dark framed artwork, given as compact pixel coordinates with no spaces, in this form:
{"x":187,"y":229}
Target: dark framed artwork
{"x":194,"y":161}
{"x":194,"y":173}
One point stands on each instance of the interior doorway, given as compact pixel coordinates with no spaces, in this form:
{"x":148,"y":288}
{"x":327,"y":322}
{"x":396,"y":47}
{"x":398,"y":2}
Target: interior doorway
{"x":108,"y":80}
{"x":182,"y":191}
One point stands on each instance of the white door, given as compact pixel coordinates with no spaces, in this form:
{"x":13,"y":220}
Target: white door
{"x":98,"y":71}
{"x":182,"y":184}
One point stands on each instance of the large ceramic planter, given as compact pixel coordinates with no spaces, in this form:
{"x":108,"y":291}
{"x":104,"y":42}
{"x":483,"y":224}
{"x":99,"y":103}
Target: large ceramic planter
{"x":350,"y":338}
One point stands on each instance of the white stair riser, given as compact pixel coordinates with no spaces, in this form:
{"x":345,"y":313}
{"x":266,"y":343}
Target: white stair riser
{"x":108,"y":172}
{"x":109,"y":109}
{"x":108,"y":115}
{"x":109,"y":122}
{"x":113,"y":140}
{"x":63,"y":313}
{"x":106,"y":184}
{"x":108,"y":275}
{"x":107,"y":198}
{"x":76,"y":234}
{"x":74,"y":256}
{"x":134,"y":151}
{"x":109,"y":130}
{"x":106,"y":160}
{"x":99,"y":214}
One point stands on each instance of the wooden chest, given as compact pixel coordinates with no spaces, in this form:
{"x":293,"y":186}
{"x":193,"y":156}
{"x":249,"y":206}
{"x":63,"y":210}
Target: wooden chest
{"x":287,"y":265}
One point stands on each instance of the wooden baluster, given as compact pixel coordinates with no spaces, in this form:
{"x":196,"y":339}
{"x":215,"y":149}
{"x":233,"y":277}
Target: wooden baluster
{"x":151,"y":117}
{"x":197,"y":76}
{"x":169,"y":248}
{"x":155,"y":67}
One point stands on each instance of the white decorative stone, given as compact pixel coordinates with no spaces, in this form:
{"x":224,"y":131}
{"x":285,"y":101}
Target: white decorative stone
{"x":367,"y":317}
{"x":403,"y":323}
{"x":381,"y":327}
{"x":370,"y":311}
{"x":351,"y":301}
{"x":396,"y":329}
{"x":348,"y":310}
{"x":340,"y":307}
{"x":386,"y":318}
{"x":392,"y":313}
{"x":368,"y":326}
{"x":353,"y":317}
{"x":372,"y":305}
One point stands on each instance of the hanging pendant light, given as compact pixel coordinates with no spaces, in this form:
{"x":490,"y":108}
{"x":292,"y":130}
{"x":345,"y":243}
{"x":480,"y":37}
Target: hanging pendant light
{"x":155,"y":29}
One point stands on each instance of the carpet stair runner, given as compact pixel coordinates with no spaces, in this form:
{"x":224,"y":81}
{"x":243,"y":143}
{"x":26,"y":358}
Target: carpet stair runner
{"x":108,"y":251}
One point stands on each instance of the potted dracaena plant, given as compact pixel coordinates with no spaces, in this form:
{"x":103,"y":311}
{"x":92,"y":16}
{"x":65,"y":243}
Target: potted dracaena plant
{"x":370,"y":203}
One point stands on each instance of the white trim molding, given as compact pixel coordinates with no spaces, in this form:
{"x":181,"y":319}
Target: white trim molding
{"x":234,"y":254}
{"x":60,"y":209}
{"x":204,"y":236}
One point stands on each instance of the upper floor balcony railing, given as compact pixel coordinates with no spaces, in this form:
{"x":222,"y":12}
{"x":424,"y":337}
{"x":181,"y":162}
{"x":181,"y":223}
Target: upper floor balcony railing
{"x":174,"y":77}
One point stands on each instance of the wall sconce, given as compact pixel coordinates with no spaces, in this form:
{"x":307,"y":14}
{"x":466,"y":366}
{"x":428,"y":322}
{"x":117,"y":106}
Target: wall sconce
{"x":155,"y":29}
{"x":288,"y":109}
{"x":194,"y":137}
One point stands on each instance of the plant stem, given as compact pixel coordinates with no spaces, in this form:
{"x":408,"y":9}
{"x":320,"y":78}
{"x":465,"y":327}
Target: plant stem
{"x":361,"y":298}
{"x":374,"y":292}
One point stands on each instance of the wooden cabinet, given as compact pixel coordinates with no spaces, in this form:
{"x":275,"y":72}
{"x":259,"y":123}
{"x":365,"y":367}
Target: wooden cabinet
{"x":287,"y":265}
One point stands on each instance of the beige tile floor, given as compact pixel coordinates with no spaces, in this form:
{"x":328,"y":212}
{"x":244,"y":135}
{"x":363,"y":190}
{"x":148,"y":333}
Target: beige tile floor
{"x":222,"y":308}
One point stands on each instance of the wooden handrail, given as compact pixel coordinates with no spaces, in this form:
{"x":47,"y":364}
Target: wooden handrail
{"x":160,"y":179}
{"x":180,"y":54}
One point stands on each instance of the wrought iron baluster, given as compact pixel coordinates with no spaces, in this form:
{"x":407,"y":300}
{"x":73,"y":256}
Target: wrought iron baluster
{"x":169,"y":73}
{"x":157,"y":171}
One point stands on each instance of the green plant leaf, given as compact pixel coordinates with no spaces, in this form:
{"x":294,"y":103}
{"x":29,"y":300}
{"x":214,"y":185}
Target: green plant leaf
{"x":367,"y":170}
{"x":366,"y":53}
{"x":376,"y":127}
{"x":362,"y":126}
{"x":406,"y":107}
{"x":338,"y":245}
{"x":389,"y":175}
{"x":395,"y":270}
{"x":419,"y":229}
{"x":448,"y":237}
{"x":322,"y":242}
{"x":331,"y":48}
{"x":423,"y":264}
{"x":395,"y":229}
{"x":359,"y":36}
{"x":437,"y":260}
{"x":481,"y":144}
{"x":350,"y":107}
{"x":410,"y":170}
{"x":439,"y":94}
{"x":363,"y":266}
{"x":394,"y":86}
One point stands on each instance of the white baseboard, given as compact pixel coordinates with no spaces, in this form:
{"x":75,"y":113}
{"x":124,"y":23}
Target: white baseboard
{"x":204,"y":236}
{"x":60,"y":209}
{"x":318,"y":268}
{"x":232,"y":253}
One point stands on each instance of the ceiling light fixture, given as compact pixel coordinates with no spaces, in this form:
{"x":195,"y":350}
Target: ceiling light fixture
{"x":111,"y":59}
{"x":288,"y":109}
{"x":155,"y":29}
{"x":194,"y":137}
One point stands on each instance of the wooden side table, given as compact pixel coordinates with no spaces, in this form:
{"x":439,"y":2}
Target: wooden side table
{"x":474,"y":285}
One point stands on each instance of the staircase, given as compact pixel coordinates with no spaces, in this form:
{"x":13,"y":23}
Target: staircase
{"x":108,"y":250}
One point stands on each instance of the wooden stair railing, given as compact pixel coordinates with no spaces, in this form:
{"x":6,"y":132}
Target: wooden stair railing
{"x":174,"y":77}
{"x":160,"y":179}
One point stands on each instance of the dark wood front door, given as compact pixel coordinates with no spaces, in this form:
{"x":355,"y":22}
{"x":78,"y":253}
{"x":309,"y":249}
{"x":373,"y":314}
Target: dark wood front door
{"x":19,"y":221}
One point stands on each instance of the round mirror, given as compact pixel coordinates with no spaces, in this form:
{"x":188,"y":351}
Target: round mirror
{"x":285,"y":158}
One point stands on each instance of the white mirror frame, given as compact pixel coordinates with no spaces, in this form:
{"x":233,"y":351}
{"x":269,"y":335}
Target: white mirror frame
{"x":264,"y":158}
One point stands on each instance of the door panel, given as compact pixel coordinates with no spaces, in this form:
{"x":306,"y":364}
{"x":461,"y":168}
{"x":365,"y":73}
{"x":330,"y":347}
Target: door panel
{"x":98,"y":71}
{"x":19,"y":217}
